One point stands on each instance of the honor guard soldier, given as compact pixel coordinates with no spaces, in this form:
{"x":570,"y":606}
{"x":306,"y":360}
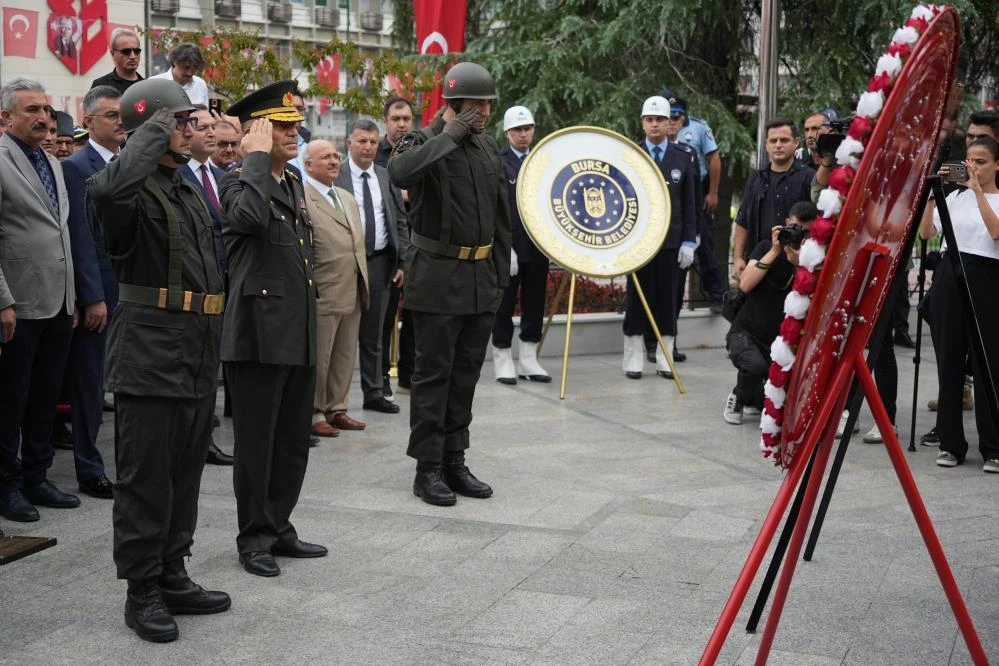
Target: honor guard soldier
{"x":269,"y":337}
{"x":163,"y":355}
{"x":459,"y":264}
{"x":528,"y":268}
{"x":660,"y":278}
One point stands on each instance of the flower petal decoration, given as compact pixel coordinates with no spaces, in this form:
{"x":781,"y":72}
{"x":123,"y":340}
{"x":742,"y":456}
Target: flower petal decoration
{"x":888,"y":64}
{"x":870,"y":104}
{"x":811,"y":256}
{"x":830,"y":202}
{"x":849,"y":152}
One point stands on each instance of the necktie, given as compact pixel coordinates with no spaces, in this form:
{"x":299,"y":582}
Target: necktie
{"x":48,"y":182}
{"x":206,"y":183}
{"x":336,"y":199}
{"x":369,"y":215}
{"x":658,"y":153}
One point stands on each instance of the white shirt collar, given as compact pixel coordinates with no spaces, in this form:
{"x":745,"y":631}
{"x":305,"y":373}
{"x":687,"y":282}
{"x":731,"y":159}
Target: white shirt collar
{"x":357,"y":171}
{"x":196,"y":166}
{"x":318,"y":185}
{"x":102,"y":151}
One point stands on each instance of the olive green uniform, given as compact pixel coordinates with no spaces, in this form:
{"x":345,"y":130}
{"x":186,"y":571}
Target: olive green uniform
{"x":454,"y":281}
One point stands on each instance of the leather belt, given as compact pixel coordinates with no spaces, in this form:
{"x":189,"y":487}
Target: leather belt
{"x":460,"y":252}
{"x":209,"y":304}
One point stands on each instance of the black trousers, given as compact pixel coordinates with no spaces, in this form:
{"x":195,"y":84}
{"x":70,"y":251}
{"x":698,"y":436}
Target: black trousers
{"x":900,"y":306}
{"x":406,"y":344}
{"x":950,"y":340}
{"x":712,"y":283}
{"x":886,"y":370}
{"x":85,"y":376}
{"x":372,"y":321}
{"x":532,"y":281}
{"x":160,"y":449}
{"x":659,"y":279}
{"x":450,"y":350}
{"x":752,"y":361}
{"x":271,"y":418}
{"x":31,"y":370}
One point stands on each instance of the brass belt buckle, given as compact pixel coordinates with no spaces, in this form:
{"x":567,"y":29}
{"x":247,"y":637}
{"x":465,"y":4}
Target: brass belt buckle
{"x":465,"y":252}
{"x":213,"y":304}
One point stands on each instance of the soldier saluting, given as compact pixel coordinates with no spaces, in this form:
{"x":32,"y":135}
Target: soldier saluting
{"x":459,"y":265}
{"x":163,"y":355}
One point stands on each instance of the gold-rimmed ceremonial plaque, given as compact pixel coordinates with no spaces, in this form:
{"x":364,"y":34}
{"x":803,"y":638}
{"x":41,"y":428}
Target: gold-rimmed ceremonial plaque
{"x":596,"y":204}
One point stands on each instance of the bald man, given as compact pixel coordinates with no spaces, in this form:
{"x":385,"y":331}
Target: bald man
{"x":341,"y":275}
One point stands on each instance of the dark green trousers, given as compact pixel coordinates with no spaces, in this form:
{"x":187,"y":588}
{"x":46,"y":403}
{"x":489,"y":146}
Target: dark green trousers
{"x":450,"y":350}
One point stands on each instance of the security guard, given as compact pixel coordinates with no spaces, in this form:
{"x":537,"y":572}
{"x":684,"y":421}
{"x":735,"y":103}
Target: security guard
{"x":163,"y":355}
{"x":459,"y":266}
{"x":661,"y":276}
{"x":269,"y":338}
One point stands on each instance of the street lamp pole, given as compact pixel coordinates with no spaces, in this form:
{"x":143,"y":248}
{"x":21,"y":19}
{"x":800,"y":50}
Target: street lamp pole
{"x":769,"y":27}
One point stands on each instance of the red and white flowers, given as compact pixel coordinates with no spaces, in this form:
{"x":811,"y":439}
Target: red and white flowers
{"x":830,"y":203}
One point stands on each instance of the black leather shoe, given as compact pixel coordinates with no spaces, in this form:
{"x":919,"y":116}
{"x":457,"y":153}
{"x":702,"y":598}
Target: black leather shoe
{"x":429,"y":485}
{"x":679,"y":356}
{"x":298,"y":548}
{"x":509,"y":381}
{"x":461,"y":480}
{"x":903,"y":339}
{"x":631,"y":374}
{"x":665,"y":374}
{"x":147,"y":614}
{"x":45,"y":494}
{"x":99,"y":487}
{"x":15,"y":506}
{"x":382,"y":405}
{"x":217,"y":456}
{"x":259,"y":563}
{"x":183,"y":596}
{"x":650,"y":355}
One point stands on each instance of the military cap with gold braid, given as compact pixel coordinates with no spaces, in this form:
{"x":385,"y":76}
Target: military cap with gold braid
{"x":273,"y":101}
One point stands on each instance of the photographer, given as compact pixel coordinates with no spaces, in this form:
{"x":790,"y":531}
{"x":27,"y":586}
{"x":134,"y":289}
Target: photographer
{"x":765,"y":282}
{"x":974,"y":211}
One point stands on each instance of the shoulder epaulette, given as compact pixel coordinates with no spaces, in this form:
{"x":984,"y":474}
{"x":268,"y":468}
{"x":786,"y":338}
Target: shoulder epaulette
{"x":238,"y":169}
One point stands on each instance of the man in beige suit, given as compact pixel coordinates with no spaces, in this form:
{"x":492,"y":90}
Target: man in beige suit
{"x":341,"y":274}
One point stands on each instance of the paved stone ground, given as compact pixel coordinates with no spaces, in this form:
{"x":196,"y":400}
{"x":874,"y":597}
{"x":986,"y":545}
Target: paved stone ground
{"x":620,"y":520}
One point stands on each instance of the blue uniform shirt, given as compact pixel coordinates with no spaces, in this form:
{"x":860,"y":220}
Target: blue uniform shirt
{"x":696,"y":134}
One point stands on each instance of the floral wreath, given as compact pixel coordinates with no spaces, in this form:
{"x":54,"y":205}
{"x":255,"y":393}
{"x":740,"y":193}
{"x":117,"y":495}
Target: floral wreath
{"x":813,"y":250}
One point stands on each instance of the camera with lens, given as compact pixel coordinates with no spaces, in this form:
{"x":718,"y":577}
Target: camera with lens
{"x":828,"y":143}
{"x":791,"y":235}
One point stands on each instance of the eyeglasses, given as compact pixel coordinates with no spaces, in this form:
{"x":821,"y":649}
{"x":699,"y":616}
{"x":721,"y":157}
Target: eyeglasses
{"x":225,"y":145}
{"x":127,"y":52}
{"x":190,"y":121}
{"x":110,"y":115}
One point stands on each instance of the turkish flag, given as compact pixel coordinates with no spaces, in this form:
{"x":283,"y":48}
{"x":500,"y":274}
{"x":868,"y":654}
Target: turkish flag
{"x":440,"y":28}
{"x":20,"y":32}
{"x":328,"y":73}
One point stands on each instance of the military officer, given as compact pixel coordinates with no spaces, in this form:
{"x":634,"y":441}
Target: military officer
{"x":163,"y":355}
{"x":661,"y":276}
{"x":269,"y":337}
{"x":459,"y":264}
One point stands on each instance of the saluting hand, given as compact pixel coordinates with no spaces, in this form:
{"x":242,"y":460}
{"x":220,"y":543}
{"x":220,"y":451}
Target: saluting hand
{"x":258,"y":137}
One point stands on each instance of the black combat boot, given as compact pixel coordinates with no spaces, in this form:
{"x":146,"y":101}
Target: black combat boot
{"x":183,"y":596}
{"x":460,"y":480}
{"x":146,"y":613}
{"x":429,"y":485}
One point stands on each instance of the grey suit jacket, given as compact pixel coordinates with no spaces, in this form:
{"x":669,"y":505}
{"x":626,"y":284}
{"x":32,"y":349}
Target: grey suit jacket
{"x":36,"y":264}
{"x":395,"y":211}
{"x":341,"y":268}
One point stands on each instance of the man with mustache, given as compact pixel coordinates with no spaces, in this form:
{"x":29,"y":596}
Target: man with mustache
{"x":125,"y":52}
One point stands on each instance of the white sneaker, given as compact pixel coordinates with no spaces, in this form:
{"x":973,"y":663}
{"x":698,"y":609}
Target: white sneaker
{"x":503,"y":366}
{"x":842,"y":424}
{"x":733,"y":410}
{"x":873,"y":436}
{"x":750,"y":411}
{"x":945,"y":459}
{"x":991,"y":465}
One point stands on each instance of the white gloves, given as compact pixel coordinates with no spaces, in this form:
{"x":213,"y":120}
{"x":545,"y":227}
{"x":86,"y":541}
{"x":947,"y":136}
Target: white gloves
{"x":514,"y":267}
{"x":686,"y":257}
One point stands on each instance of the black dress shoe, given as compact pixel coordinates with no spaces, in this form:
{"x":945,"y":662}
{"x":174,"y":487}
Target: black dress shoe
{"x":259,"y":563}
{"x":217,"y":456}
{"x":15,"y":506}
{"x":45,"y":494}
{"x":508,"y":381}
{"x":903,"y":339}
{"x":107,"y":406}
{"x":429,"y":485}
{"x":665,"y":374}
{"x":183,"y":596}
{"x":632,"y":374}
{"x":679,"y":356}
{"x":298,"y":548}
{"x":99,"y":487}
{"x":147,"y":614}
{"x":650,"y":355}
{"x":461,"y":480}
{"x":380,"y":404}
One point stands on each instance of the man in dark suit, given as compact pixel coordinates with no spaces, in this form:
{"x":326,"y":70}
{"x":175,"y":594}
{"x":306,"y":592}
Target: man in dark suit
{"x":37,"y":298}
{"x":660,"y":278}
{"x":96,"y":286}
{"x":269,"y":337}
{"x":386,"y":243}
{"x":206,"y":177}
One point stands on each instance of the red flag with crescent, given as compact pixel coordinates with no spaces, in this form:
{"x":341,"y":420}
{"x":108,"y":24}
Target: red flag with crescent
{"x":440,"y":28}
{"x":20,"y":32}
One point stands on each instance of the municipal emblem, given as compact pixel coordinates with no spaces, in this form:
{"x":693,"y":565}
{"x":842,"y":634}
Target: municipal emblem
{"x":594,"y":203}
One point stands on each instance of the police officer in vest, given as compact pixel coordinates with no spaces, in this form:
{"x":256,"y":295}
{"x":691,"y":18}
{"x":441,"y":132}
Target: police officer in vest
{"x":163,"y":355}
{"x":459,"y":265}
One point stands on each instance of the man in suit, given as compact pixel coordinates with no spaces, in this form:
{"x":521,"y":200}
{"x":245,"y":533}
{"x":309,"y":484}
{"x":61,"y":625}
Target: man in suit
{"x":269,"y":337}
{"x":386,"y":243}
{"x":205,"y":177}
{"x":226,"y":145}
{"x":37,"y":298}
{"x":96,"y":286}
{"x":661,"y":276}
{"x":342,"y":282}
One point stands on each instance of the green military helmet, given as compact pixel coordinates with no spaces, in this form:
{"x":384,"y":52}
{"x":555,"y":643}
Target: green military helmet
{"x":145,"y":98}
{"x":467,"y":80}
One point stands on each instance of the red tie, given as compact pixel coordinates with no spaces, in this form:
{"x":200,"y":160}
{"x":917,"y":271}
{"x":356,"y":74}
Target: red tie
{"x":206,"y":183}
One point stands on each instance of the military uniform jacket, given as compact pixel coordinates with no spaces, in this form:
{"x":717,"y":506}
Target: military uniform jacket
{"x":270,"y":315}
{"x":457,"y":195}
{"x":527,"y":251}
{"x":679,"y":169}
{"x":154,"y":352}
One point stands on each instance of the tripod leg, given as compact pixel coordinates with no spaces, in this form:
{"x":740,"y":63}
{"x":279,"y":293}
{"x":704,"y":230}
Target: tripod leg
{"x":655,"y":329}
{"x":919,"y":512}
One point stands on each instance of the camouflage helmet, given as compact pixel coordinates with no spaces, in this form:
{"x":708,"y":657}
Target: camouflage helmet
{"x":466,"y":80}
{"x":146,"y":97}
